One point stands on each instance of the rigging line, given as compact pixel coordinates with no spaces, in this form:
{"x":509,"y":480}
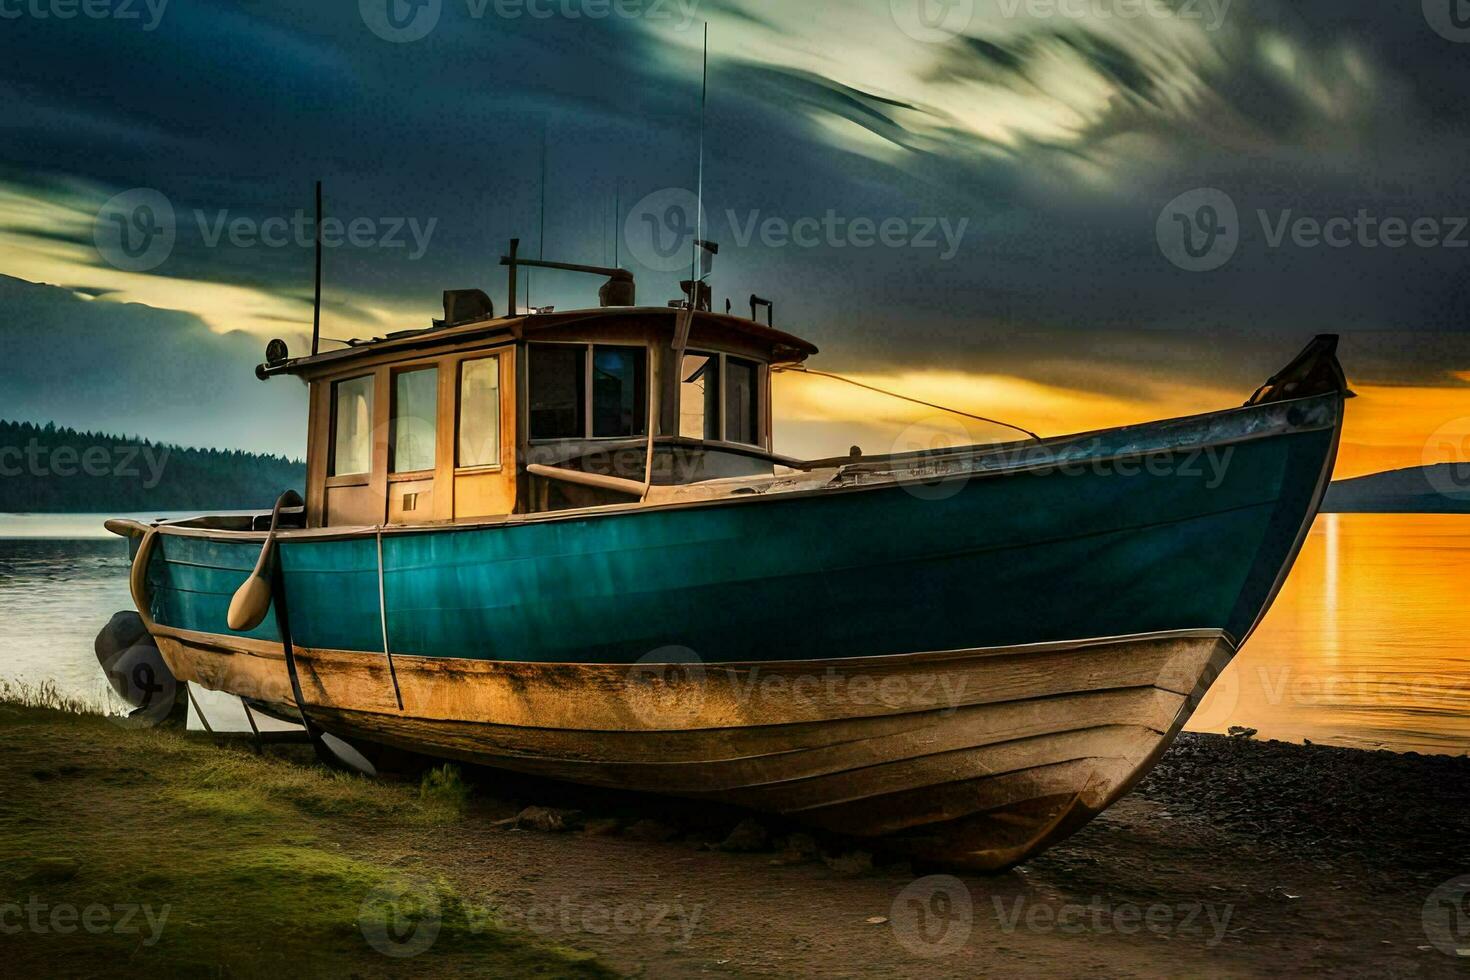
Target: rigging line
{"x":916,"y":401}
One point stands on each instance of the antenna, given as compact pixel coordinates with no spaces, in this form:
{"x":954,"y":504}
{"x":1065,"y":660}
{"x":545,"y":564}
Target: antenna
{"x":694,"y":276}
{"x":541,"y":235}
{"x":316,"y":311}
{"x":617,"y":222}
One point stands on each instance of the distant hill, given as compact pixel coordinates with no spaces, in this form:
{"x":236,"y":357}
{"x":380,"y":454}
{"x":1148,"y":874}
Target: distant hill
{"x":50,"y":470}
{"x":96,"y":363}
{"x":1442,"y":489}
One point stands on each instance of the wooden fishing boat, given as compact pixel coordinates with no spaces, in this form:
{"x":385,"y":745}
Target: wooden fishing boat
{"x":560,"y":543}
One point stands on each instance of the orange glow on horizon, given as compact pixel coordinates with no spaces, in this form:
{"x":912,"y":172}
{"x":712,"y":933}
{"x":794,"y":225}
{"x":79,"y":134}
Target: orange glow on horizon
{"x":1388,"y":427}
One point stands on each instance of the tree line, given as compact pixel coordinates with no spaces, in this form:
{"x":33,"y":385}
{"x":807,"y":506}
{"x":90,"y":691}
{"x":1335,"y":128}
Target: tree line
{"x":46,"y":469}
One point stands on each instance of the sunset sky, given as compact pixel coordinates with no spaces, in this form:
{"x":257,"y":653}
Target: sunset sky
{"x":1025,"y":159}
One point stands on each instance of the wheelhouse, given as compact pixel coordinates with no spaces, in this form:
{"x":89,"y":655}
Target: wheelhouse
{"x":535,"y":413}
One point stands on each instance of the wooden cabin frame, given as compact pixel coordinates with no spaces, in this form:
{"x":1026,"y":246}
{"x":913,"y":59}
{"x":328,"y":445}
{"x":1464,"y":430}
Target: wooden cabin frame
{"x":601,"y":469}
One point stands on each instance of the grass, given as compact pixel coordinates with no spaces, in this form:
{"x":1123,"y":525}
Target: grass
{"x":44,"y":695}
{"x":235,"y":865}
{"x":444,"y":791}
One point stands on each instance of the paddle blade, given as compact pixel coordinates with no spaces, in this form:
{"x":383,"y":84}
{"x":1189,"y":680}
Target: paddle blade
{"x":250,"y":604}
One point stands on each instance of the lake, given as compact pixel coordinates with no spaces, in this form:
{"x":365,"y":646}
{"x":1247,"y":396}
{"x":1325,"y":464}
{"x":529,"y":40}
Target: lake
{"x":1368,"y":645}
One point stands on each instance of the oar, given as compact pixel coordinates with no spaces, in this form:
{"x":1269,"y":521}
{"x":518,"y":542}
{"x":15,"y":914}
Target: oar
{"x":247,"y":611}
{"x":253,"y":599}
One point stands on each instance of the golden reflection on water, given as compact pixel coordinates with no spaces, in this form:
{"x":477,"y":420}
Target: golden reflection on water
{"x":1368,"y":644}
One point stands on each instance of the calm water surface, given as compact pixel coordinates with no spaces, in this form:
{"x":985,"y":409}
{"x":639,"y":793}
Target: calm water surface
{"x":1368,"y":645}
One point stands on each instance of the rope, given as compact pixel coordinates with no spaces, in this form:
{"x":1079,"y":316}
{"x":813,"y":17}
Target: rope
{"x":906,"y":398}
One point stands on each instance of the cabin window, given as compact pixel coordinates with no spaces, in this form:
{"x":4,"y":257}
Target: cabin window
{"x":699,"y":397}
{"x":479,"y":413}
{"x":742,"y":401}
{"x":415,"y":420}
{"x":558,"y":377}
{"x":352,"y":426}
{"x":619,"y":392}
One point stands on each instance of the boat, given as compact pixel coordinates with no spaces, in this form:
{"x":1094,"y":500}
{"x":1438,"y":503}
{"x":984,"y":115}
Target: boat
{"x":561,"y":543}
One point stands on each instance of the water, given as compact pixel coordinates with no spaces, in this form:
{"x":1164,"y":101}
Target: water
{"x":1368,"y":645}
{"x":54,"y":597}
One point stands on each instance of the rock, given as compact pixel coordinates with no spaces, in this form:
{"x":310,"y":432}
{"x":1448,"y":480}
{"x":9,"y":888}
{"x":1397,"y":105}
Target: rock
{"x":548,"y":820}
{"x":1239,"y":731}
{"x":652,"y":831}
{"x":601,"y":827}
{"x":852,"y":863}
{"x":801,"y":844}
{"x":53,"y":870}
{"x":749,"y":835}
{"x":797,"y":848}
{"x":876,"y":920}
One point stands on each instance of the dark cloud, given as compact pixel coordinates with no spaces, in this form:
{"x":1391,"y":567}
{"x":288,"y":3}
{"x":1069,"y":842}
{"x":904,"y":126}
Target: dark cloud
{"x":129,"y":369}
{"x":1309,"y":109}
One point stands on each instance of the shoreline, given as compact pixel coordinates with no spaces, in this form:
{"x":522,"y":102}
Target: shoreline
{"x":1233,"y":857}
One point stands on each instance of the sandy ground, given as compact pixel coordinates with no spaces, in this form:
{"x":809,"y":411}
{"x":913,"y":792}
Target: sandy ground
{"x":1232,"y":859}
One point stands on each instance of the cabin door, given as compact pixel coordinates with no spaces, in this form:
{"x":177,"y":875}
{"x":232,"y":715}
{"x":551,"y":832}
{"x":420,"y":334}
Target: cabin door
{"x":420,"y":442}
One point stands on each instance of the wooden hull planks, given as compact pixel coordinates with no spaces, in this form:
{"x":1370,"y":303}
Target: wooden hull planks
{"x":872,"y":747}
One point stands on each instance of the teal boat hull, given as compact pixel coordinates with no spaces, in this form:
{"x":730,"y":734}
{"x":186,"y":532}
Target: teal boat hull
{"x":1187,"y":540}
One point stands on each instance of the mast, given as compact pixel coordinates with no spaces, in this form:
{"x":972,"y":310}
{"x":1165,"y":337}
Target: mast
{"x":316,"y":309}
